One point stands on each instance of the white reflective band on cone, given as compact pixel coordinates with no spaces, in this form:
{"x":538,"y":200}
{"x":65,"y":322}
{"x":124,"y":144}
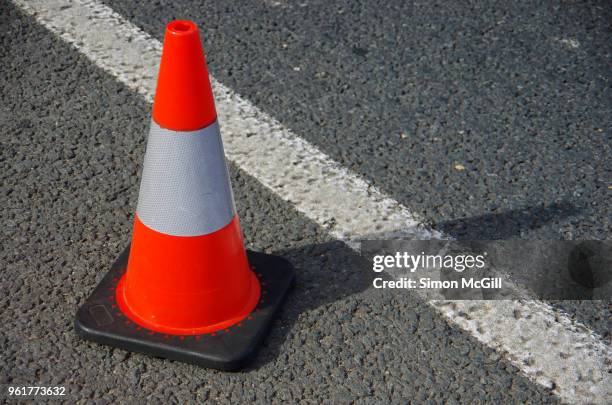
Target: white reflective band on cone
{"x":185,"y":189}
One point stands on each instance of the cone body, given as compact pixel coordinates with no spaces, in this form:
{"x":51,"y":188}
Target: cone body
{"x":187,"y":270}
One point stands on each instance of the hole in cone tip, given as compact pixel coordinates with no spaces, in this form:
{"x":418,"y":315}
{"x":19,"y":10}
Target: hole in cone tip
{"x":181,"y":27}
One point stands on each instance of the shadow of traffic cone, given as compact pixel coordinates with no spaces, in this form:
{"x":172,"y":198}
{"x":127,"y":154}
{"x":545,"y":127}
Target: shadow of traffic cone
{"x":187,"y":290}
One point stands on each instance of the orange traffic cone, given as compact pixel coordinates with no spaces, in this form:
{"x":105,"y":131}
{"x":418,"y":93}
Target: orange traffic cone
{"x":187,"y":290}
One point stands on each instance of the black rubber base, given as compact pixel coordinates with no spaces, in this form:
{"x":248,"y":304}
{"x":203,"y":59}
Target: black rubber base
{"x":100,"y":320}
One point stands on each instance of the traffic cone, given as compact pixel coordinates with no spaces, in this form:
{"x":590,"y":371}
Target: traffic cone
{"x":186,"y":289}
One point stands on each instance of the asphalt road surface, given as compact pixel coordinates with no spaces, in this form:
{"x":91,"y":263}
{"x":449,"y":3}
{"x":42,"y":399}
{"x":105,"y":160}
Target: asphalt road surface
{"x":489,"y":121}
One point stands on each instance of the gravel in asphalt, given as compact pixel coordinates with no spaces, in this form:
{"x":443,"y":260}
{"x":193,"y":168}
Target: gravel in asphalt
{"x":73,"y":142}
{"x":404,"y":93}
{"x":491,"y":121}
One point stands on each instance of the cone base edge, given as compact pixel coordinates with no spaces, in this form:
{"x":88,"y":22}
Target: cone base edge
{"x":100,"y":320}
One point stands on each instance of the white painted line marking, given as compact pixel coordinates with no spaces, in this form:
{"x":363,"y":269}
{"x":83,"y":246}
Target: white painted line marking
{"x":545,"y":345}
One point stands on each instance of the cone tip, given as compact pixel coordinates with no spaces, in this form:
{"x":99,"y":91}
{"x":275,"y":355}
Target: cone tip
{"x":181,"y":28}
{"x":183,"y":98}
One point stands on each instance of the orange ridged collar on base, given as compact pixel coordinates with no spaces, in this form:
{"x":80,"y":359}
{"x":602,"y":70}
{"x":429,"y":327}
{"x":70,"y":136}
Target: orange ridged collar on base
{"x":183,"y":98}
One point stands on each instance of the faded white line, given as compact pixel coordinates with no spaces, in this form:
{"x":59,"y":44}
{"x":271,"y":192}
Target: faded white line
{"x":545,"y":345}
